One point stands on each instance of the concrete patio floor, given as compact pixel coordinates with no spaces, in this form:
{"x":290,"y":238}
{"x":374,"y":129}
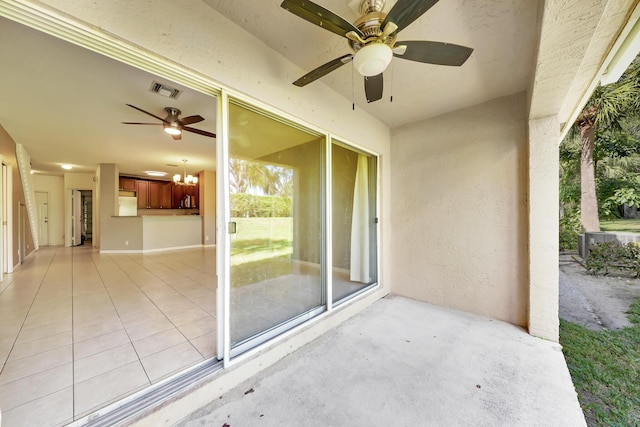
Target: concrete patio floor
{"x":407,"y":363}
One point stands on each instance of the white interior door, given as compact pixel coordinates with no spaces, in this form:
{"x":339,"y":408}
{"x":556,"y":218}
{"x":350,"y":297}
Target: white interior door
{"x":42,"y":202}
{"x":76,"y":217}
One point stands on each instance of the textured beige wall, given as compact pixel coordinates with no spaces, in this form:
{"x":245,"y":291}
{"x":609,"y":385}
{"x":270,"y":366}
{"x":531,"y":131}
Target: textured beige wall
{"x":544,"y":136}
{"x":459,"y":213}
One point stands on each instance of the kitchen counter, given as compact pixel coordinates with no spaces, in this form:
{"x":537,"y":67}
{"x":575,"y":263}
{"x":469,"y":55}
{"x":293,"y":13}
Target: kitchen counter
{"x":152,"y":233}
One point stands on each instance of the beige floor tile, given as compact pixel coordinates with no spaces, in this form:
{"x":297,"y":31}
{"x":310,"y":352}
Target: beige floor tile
{"x":158,"y":342}
{"x":170,"y":361}
{"x":55,"y":409}
{"x":147,"y":328}
{"x":91,"y":330}
{"x":33,"y":387}
{"x":53,"y":328}
{"x":199,"y":327}
{"x":34,"y":364}
{"x":105,"y":361}
{"x":100,"y":391}
{"x":187,"y":316}
{"x":206,"y":344}
{"x":30,"y":348}
{"x":100,"y":343}
{"x":151,"y":313}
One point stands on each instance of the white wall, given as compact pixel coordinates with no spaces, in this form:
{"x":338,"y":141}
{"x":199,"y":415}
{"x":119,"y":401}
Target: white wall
{"x":54,"y":187}
{"x":459,"y":184}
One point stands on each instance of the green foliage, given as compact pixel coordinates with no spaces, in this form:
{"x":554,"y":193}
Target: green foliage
{"x":251,"y":205}
{"x":605,"y":369}
{"x":613,"y":256}
{"x":629,"y":196}
{"x":569,"y":229}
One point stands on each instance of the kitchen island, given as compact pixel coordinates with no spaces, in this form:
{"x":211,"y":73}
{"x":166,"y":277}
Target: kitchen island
{"x":152,"y":233}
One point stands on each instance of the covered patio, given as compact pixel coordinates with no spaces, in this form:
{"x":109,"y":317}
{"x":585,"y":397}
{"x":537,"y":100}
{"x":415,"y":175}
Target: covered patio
{"x":400,"y":362}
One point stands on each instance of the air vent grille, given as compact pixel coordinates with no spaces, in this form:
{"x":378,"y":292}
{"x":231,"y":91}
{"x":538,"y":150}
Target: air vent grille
{"x":164,"y":90}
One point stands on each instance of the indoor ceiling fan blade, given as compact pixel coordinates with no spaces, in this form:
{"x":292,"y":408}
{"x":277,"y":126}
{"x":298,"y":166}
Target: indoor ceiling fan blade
{"x":146,"y":112}
{"x":373,"y":87}
{"x":323,"y":70}
{"x":404,"y":12}
{"x":199,"y":132}
{"x":136,"y":123}
{"x":191,"y":120}
{"x":435,"y":52}
{"x":320,"y":16}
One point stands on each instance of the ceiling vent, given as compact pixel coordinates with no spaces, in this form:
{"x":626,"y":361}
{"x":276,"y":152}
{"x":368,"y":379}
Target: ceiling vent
{"x":164,"y":90}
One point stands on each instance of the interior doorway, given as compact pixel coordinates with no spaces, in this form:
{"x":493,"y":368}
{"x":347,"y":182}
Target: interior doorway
{"x":76,"y":217}
{"x":42,"y":203}
{"x":87,"y":216}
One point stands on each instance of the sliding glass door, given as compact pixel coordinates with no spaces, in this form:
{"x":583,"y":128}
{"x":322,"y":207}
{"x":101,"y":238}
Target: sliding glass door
{"x":354,"y":220}
{"x":275,"y":179}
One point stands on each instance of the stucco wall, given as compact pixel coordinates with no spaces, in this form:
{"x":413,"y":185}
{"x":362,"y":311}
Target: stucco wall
{"x":459,"y":214}
{"x":54,"y":187}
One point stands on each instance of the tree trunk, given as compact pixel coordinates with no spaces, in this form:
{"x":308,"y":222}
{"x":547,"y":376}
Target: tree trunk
{"x":588,"y":199}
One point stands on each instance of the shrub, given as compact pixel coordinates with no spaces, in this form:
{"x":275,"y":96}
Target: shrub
{"x":568,"y":232}
{"x":603,"y":257}
{"x":251,"y":206}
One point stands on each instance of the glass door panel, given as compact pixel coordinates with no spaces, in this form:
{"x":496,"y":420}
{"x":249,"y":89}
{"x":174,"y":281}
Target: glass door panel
{"x":354,"y":223}
{"x":276,"y":208}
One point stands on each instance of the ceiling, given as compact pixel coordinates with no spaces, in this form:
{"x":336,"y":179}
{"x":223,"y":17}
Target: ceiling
{"x":501,"y":32}
{"x":65,"y":104}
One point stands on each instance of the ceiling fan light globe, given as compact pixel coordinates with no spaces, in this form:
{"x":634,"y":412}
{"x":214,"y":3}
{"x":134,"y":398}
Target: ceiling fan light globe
{"x":372,"y":59}
{"x":172,"y":130}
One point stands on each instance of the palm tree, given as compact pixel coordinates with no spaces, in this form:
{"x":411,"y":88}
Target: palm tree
{"x":607,"y":107}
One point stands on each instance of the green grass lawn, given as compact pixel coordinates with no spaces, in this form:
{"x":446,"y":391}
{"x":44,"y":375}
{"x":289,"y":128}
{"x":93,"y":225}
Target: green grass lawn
{"x":626,"y":225}
{"x":261,"y":249}
{"x":605,"y":368}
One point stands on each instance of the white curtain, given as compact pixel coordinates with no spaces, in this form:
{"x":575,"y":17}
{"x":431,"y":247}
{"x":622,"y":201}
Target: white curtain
{"x":360,"y":224}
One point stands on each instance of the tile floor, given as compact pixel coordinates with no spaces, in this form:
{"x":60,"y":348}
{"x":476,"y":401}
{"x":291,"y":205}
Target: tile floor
{"x":80,"y":330}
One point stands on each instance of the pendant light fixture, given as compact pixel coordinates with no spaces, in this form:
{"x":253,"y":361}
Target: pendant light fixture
{"x":185,"y":179}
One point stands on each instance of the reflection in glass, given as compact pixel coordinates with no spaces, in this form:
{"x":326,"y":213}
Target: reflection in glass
{"x":353,"y":178}
{"x":275,"y":185}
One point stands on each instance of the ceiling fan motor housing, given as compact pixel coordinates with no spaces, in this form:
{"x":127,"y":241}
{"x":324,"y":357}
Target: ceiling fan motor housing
{"x":370,"y":26}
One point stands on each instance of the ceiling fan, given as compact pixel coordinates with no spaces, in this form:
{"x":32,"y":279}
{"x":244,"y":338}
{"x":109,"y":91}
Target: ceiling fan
{"x":372,"y":37}
{"x":173,"y":124}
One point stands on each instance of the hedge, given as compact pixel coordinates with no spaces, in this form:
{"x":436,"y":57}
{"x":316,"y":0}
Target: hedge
{"x":250,"y":205}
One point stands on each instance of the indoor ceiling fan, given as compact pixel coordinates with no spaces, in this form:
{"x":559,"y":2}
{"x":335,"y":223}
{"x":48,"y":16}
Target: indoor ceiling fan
{"x":372,"y":37}
{"x":173,"y":124}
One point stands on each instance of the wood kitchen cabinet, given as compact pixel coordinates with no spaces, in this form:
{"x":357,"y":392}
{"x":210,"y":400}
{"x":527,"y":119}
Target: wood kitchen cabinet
{"x":186,"y":196}
{"x":128,"y":184}
{"x":151,"y":194}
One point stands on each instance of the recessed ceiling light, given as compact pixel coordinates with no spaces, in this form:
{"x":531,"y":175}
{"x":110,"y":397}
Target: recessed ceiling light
{"x":155,"y":173}
{"x":67,"y":167}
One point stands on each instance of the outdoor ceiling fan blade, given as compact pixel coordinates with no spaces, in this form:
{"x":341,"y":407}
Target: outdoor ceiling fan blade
{"x":146,"y":112}
{"x":191,"y":120}
{"x":435,"y":52}
{"x":320,"y":16}
{"x":373,"y":87}
{"x":136,"y":123}
{"x":323,"y":70}
{"x":404,"y":12}
{"x":199,"y":132}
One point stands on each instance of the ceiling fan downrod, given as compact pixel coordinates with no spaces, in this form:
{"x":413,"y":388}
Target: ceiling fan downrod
{"x":370,"y":6}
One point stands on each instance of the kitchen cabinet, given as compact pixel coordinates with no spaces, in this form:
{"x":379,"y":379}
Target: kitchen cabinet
{"x":185,"y":196}
{"x":128,"y":184}
{"x":142,"y":191}
{"x":151,"y":194}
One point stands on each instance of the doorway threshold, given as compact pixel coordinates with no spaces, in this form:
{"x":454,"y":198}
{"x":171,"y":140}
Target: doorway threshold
{"x":141,"y":403}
